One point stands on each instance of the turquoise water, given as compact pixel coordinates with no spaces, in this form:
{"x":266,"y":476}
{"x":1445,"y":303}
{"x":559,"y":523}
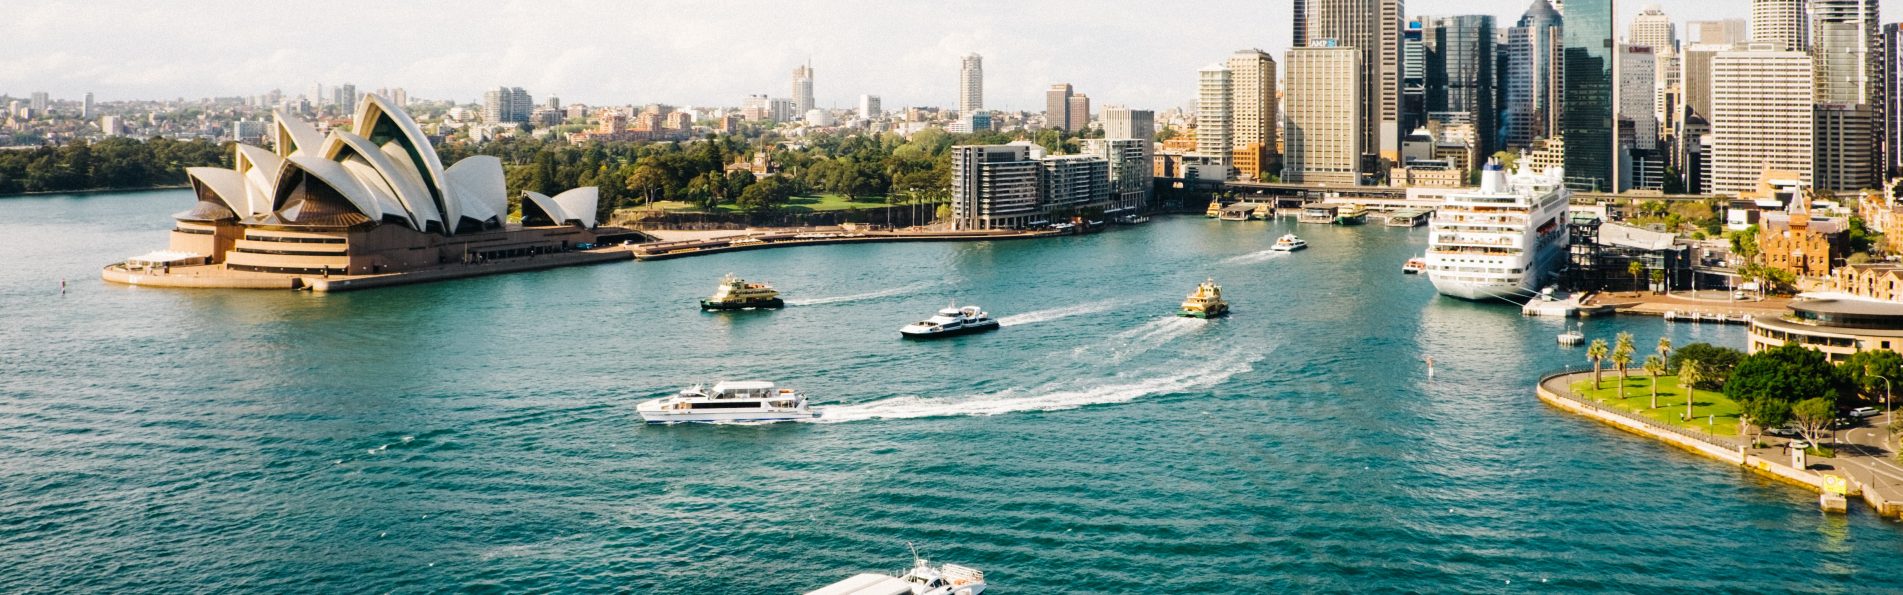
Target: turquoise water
{"x":479,"y":435}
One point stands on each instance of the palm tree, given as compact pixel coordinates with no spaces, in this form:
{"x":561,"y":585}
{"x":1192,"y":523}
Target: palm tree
{"x":1622,"y":358}
{"x":1597,"y":354}
{"x":1689,"y":375}
{"x":1665,"y":348}
{"x":1655,"y":366}
{"x":1635,"y":268}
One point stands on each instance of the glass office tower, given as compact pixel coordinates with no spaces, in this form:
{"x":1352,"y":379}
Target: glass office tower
{"x":1586,"y":106}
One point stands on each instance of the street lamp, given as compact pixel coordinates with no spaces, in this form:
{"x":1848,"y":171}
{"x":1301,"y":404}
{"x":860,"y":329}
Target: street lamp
{"x":1870,"y":370}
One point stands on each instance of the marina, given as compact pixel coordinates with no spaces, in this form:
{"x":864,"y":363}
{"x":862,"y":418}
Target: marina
{"x":410,"y":420}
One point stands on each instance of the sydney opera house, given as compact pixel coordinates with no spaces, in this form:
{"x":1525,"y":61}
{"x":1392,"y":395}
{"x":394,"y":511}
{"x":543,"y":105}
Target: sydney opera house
{"x":372,"y":201}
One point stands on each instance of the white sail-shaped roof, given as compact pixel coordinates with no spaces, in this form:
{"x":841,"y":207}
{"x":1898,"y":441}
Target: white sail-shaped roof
{"x":333,"y":174}
{"x":292,"y":135}
{"x":383,"y":124}
{"x":477,"y":187}
{"x":401,"y":180}
{"x":226,"y":184}
{"x":579,"y":204}
{"x":259,"y":168}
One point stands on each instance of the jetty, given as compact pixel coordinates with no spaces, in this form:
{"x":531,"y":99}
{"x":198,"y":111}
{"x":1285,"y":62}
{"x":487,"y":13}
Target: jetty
{"x":1410,"y":217}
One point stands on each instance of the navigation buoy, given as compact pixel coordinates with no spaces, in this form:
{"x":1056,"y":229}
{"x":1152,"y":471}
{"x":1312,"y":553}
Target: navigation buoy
{"x":1430,"y":366}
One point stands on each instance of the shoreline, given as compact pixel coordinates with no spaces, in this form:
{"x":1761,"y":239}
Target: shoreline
{"x":96,"y":191}
{"x":1832,"y":485}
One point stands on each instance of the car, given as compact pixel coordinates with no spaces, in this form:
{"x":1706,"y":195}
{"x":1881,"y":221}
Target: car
{"x":1782,"y":432}
{"x":1864,"y":412}
{"x":1800,"y":444}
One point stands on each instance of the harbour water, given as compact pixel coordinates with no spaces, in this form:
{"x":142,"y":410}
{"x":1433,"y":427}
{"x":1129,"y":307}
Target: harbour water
{"x":480,"y":434}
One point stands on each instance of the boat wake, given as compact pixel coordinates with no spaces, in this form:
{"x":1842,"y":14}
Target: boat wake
{"x":1141,"y":339}
{"x":1254,"y":257}
{"x":1056,"y":396}
{"x":1057,"y":313}
{"x":860,"y":297}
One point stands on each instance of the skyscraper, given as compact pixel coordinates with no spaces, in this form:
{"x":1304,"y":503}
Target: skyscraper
{"x":1215,"y":114}
{"x":40,"y":101}
{"x":1847,"y":45}
{"x":1892,"y":69}
{"x":1721,"y":32}
{"x":1057,"y":107}
{"x":86,"y":108}
{"x":1124,"y":123}
{"x":1532,"y":77}
{"x":1373,"y":27}
{"x":803,"y":89}
{"x":1652,"y":28}
{"x":1781,"y":23}
{"x":1252,"y":100}
{"x":869,"y":107}
{"x":971,"y":84}
{"x":1413,"y":76}
{"x":1322,"y":117}
{"x":1079,"y":110}
{"x":1761,"y":115}
{"x":1460,"y":77}
{"x":506,"y":105}
{"x":1587,"y":105}
{"x":1637,"y":63}
{"x":345,"y":98}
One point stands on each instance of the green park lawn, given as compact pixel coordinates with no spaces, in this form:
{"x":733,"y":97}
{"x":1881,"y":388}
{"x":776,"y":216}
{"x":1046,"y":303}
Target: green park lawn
{"x":1638,"y":399}
{"x":797,"y":204}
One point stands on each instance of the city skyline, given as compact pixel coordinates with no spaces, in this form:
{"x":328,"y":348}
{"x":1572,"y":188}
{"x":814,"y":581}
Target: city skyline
{"x":705,"y":62}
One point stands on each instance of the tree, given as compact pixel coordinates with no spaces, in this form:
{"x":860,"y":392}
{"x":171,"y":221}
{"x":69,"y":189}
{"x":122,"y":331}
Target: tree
{"x":1784,"y":372}
{"x":1664,"y":349}
{"x":1689,"y":375}
{"x":1714,"y":362}
{"x":1872,"y":372}
{"x":1635,"y":268}
{"x":1597,"y":354}
{"x":649,"y":179}
{"x":1813,"y":418}
{"x":1744,"y":243}
{"x":1655,"y":367}
{"x":1761,"y":414}
{"x":1658,"y":279}
{"x":1622,"y":358}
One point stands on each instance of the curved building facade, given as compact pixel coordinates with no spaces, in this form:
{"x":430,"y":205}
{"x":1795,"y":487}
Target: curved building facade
{"x":1836,"y":327}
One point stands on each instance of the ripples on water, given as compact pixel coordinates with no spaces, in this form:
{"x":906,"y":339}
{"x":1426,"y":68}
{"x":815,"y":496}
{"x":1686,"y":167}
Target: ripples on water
{"x":478,"y":435}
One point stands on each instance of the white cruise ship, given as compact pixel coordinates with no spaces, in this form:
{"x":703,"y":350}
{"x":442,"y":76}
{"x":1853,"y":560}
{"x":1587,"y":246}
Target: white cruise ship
{"x":1501,"y":241}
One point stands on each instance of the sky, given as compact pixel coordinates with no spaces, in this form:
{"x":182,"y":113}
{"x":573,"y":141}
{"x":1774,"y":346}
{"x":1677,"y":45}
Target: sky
{"x":699,"y":53}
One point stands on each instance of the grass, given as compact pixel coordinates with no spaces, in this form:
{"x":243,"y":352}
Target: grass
{"x":797,"y":204}
{"x":1638,"y":399}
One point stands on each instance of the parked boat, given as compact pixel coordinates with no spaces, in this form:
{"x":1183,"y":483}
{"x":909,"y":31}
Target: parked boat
{"x":922,"y":579}
{"x":949,"y":322}
{"x":1214,"y":210}
{"x":1205,"y":302}
{"x":1351,"y":214}
{"x":1289,"y":243}
{"x":728,"y":402}
{"x":735,"y":293}
{"x":1414,"y":266}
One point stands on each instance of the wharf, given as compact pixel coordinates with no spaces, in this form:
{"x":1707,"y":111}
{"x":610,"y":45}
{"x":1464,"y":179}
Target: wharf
{"x":1411,"y":217}
{"x":758,"y":241}
{"x":218,"y":277}
{"x":1865,"y":465}
{"x":1691,"y":306}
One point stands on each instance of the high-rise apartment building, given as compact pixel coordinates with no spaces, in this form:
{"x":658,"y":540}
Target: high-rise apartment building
{"x":1892,"y":78}
{"x":1374,"y":28}
{"x":86,"y":108}
{"x":507,"y":105}
{"x":1122,"y":122}
{"x":1215,"y":114}
{"x":1781,"y":23}
{"x":1070,"y":182}
{"x":971,"y":84}
{"x":40,"y":101}
{"x":1078,"y":110}
{"x":869,"y":107}
{"x":344,"y":96}
{"x":1460,"y":74}
{"x":1762,"y":117}
{"x":1721,"y":32}
{"x":400,"y":97}
{"x":1252,"y":100}
{"x":1532,"y":76}
{"x":803,"y":89}
{"x":1129,"y":167}
{"x":1057,"y":107}
{"x":993,"y":186}
{"x":1322,"y":117}
{"x":1847,"y":147}
{"x":1588,"y":107}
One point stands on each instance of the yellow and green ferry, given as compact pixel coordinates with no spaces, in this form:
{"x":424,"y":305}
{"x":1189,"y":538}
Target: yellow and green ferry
{"x":735,"y":293}
{"x":1205,"y":302}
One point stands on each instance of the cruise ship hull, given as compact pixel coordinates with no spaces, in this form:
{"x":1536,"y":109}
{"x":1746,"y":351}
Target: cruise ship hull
{"x":1482,"y":292}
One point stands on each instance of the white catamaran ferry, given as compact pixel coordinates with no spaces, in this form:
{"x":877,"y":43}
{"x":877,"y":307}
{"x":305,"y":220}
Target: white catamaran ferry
{"x":731,"y":402}
{"x":1502,"y":240}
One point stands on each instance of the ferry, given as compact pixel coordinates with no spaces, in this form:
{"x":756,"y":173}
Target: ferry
{"x":1351,"y":214}
{"x":1414,"y":266}
{"x":1289,"y":243}
{"x":1205,"y":302}
{"x":735,"y":293}
{"x":922,"y":579}
{"x":1500,"y":241}
{"x":728,"y":402}
{"x":949,"y":322}
{"x":1214,"y":210}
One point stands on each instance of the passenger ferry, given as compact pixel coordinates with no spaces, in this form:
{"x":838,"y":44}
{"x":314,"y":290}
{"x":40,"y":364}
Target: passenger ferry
{"x":922,"y":579}
{"x":949,"y":322}
{"x":735,"y":293}
{"x":1501,"y":241}
{"x":1289,"y":243}
{"x":728,"y":402}
{"x":1351,"y":214}
{"x":1205,"y":302}
{"x":1214,"y":210}
{"x":1414,"y":266}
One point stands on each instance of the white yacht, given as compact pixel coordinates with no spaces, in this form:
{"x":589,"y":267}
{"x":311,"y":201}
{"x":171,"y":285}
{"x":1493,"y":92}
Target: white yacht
{"x":1289,"y":243}
{"x":922,"y":579}
{"x":1500,"y":241}
{"x":748,"y":401}
{"x":949,"y":322}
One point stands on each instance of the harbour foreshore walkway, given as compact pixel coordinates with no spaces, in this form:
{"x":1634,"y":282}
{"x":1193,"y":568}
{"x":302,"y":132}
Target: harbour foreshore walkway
{"x":1864,"y":466}
{"x":1687,"y":306}
{"x":782,"y":238}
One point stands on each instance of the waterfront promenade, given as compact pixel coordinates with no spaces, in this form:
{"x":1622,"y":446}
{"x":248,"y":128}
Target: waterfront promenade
{"x":1865,"y":464}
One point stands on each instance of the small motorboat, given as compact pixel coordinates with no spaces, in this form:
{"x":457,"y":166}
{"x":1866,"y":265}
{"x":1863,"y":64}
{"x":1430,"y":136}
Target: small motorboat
{"x":949,"y":322}
{"x":1289,"y":243}
{"x":922,"y":579}
{"x":1414,"y":266}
